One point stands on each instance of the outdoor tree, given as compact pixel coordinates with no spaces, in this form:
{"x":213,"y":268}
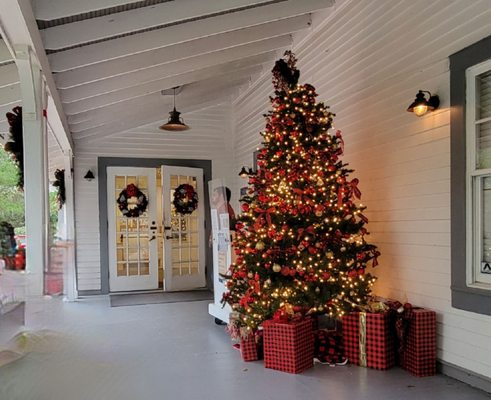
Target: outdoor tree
{"x":11,"y":199}
{"x":300,"y":239}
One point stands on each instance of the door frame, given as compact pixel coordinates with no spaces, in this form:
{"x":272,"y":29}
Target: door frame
{"x":102,"y":164}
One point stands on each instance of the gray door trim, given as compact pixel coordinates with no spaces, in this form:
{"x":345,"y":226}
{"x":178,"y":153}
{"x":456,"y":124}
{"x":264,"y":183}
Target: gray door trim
{"x":103,"y":163}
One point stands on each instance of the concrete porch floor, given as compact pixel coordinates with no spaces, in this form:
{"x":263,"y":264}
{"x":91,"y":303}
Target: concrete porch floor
{"x":175,"y":351}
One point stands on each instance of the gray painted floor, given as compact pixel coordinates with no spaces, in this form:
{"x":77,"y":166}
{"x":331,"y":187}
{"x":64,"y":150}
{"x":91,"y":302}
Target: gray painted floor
{"x":175,"y":351}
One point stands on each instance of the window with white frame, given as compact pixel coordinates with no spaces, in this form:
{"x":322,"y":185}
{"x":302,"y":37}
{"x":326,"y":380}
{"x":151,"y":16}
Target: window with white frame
{"x":478,"y":175}
{"x":470,"y":177}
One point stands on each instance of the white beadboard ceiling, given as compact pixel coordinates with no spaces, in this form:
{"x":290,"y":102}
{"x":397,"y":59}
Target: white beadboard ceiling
{"x":110,"y":59}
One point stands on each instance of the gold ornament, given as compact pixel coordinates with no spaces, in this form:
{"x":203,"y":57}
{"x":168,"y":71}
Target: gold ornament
{"x":330,"y":254}
{"x":276,"y":267}
{"x":260,"y":245}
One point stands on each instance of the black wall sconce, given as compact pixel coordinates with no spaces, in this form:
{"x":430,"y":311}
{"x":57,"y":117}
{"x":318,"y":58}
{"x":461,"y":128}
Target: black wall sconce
{"x":421,"y":105}
{"x":244,"y":173}
{"x":89,"y":176}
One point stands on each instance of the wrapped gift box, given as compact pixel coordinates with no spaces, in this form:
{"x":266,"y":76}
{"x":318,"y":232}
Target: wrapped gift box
{"x":368,"y":339}
{"x":328,"y":347}
{"x":288,"y":346}
{"x":249,"y":348}
{"x":418,"y":350}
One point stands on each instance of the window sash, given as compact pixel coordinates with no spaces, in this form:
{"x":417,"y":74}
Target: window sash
{"x":476,"y":172}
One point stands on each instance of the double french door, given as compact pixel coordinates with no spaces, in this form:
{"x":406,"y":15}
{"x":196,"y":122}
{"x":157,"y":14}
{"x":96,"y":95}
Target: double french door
{"x":158,"y":239}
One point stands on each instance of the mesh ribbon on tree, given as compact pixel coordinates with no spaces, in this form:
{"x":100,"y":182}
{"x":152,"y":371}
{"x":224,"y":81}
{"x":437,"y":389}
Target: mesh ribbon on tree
{"x":301,"y":238}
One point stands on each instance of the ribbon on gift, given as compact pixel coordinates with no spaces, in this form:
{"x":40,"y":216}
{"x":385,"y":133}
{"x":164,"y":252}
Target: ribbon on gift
{"x":363,"y":339}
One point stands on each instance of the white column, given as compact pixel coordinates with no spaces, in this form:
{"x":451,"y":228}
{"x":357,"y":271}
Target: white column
{"x":70,"y":276}
{"x":35,"y":169}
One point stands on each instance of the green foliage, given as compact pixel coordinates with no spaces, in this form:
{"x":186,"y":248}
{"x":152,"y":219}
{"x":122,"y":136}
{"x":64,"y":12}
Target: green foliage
{"x":11,"y":199}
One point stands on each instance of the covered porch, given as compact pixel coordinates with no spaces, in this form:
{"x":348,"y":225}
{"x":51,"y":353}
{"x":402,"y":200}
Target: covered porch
{"x":97,"y":80}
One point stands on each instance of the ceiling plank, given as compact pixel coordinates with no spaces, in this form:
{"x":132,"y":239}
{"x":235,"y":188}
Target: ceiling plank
{"x":10,"y":94}
{"x":92,"y":103}
{"x":121,"y":47}
{"x":190,"y":64}
{"x":4,"y":109}
{"x":180,"y":51}
{"x":8,"y":75}
{"x":5,"y":55}
{"x":47,"y":10}
{"x":120,"y":111}
{"x":147,"y":116}
{"x":121,"y":23}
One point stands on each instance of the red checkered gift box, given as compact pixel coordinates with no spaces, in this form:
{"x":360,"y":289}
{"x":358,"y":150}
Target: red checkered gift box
{"x":249,"y":348}
{"x":368,"y":340}
{"x":288,"y":346}
{"x":418,"y":352}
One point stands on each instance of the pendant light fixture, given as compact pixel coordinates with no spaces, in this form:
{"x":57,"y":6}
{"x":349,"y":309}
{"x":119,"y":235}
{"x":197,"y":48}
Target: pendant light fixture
{"x":175,"y":123}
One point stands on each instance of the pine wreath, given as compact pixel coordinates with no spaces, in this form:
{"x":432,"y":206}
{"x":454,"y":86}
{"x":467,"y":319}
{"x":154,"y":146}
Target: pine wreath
{"x":15,"y":145}
{"x":132,"y":201}
{"x":60,"y":184}
{"x":185,"y":199}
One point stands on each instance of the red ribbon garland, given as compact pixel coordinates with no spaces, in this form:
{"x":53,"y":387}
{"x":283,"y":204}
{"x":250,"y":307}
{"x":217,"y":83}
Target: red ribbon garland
{"x":266,"y":213}
{"x":341,"y":141}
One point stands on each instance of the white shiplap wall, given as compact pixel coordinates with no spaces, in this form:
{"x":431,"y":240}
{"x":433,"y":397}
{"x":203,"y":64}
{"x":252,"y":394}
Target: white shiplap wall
{"x":367,"y":60}
{"x":209,"y":139}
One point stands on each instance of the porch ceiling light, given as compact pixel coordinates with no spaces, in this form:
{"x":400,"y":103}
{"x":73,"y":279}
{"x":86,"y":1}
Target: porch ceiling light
{"x":420,"y":106}
{"x":243,"y":173}
{"x":89,"y":176}
{"x":175,"y":123}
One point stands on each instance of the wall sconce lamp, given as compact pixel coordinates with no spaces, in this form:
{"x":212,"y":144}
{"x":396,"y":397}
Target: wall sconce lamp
{"x":89,"y":176}
{"x":420,"y":106}
{"x":244,"y":173}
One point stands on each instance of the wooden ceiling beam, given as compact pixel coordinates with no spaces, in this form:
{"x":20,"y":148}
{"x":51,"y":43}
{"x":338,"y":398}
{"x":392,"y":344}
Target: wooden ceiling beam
{"x":180,"y":51}
{"x":178,"y":67}
{"x":138,"y":43}
{"x":121,"y":111}
{"x":146,"y":117}
{"x":140,"y":19}
{"x":126,"y":94}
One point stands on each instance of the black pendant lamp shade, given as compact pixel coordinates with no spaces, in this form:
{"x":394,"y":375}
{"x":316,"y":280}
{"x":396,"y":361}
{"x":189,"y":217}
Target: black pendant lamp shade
{"x":175,"y":123}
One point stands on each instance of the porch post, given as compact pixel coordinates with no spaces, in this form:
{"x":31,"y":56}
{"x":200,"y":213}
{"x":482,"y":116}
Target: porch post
{"x":70,"y":276}
{"x":35,"y":170}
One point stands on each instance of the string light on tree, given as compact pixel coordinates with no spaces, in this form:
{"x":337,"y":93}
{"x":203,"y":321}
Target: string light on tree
{"x":300,"y":240}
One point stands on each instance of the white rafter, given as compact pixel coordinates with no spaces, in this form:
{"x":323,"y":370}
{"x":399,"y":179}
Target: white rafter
{"x":107,"y":26}
{"x":180,"y":51}
{"x":248,"y":66}
{"x":121,"y":111}
{"x":158,"y":72}
{"x":124,"y":46}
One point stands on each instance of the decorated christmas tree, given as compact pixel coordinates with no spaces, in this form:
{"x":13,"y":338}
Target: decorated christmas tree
{"x":300,"y":239}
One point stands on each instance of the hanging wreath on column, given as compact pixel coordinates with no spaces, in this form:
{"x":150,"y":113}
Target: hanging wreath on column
{"x":15,"y":144}
{"x":185,"y":199}
{"x":132,"y":201}
{"x":60,"y":184}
